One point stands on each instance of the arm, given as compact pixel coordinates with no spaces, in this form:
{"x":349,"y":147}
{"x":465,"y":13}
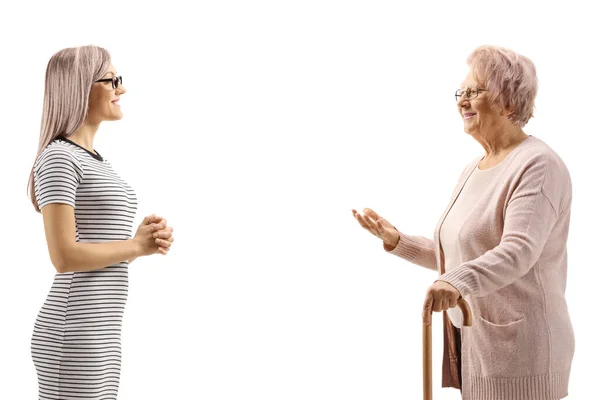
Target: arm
{"x":416,"y":249}
{"x":57,"y":174}
{"x":528,"y":221}
{"x":67,"y":255}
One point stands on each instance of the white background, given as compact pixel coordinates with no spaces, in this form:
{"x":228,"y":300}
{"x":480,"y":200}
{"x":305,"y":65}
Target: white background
{"x":255,"y":128}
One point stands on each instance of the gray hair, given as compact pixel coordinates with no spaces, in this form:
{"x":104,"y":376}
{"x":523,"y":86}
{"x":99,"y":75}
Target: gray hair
{"x":509,"y":77}
{"x":69,"y":78}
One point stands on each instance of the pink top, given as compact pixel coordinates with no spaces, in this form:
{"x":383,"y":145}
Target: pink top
{"x":512,"y":270}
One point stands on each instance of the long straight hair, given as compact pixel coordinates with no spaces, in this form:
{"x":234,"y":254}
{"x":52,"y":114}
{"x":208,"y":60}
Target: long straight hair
{"x":69,"y":78}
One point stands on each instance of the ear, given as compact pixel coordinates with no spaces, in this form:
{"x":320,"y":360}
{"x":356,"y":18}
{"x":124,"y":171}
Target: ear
{"x":507,"y":112}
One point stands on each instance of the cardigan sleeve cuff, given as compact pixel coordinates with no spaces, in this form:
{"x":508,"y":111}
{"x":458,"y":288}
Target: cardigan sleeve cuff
{"x":407,"y":248}
{"x":461,"y":279}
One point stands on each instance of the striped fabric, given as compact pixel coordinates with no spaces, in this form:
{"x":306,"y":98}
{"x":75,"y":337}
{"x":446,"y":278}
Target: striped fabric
{"x":76,"y":346}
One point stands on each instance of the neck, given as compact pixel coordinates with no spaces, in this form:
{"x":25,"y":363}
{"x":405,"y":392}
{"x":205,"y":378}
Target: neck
{"x":497,"y":142}
{"x":84,"y":136}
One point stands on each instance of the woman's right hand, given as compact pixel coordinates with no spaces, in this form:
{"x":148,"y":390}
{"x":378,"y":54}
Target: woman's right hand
{"x":144,"y":236}
{"x":378,"y":226}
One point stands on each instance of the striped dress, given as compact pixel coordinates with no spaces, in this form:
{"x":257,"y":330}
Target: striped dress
{"x":76,"y":345}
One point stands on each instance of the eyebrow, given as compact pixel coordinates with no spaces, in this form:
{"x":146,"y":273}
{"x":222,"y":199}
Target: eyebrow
{"x":111,"y":73}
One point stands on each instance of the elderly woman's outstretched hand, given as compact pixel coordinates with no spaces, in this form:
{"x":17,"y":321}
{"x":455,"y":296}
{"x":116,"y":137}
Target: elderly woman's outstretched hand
{"x":378,"y":226}
{"x":440,"y":297}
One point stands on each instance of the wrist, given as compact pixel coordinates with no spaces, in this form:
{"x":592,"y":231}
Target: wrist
{"x":136,"y":249}
{"x":394,"y":241}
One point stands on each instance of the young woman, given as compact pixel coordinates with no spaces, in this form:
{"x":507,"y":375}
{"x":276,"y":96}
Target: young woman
{"x":88,"y":212}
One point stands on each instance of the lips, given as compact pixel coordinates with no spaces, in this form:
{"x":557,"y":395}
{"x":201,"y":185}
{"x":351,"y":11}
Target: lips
{"x":468,"y":115}
{"x":116,"y":102}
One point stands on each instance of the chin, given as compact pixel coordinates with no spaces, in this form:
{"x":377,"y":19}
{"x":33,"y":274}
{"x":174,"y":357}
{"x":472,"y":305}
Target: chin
{"x":115,"y":117}
{"x":470,"y":130}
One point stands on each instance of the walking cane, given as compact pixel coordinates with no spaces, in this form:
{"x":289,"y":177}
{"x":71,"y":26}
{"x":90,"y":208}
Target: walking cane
{"x":427,"y":387}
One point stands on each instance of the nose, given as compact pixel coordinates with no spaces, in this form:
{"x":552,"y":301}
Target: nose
{"x":463,"y":102}
{"x":121,"y":90}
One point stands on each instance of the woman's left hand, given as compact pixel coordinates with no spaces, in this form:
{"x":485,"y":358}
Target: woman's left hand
{"x":440,"y":297}
{"x":164,"y":238}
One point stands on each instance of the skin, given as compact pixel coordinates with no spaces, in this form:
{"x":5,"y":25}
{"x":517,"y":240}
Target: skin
{"x":490,"y":126}
{"x":152,"y":236}
{"x":498,"y":136}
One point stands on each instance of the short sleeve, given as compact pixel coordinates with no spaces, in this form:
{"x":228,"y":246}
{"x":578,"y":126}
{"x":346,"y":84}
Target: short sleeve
{"x":56,"y":176}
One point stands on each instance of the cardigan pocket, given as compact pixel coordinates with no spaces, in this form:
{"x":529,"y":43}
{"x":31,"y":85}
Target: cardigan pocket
{"x":502,"y":346}
{"x":504,"y":325}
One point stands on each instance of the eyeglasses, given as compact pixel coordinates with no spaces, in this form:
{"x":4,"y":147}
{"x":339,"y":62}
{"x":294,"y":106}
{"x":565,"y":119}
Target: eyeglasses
{"x":116,"y":81}
{"x":470,"y":93}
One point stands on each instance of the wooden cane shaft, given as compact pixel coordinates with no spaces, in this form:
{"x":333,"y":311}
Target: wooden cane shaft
{"x":427,"y":373}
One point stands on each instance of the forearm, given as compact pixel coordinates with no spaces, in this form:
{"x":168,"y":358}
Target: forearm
{"x":132,"y":260}
{"x":526,"y":230}
{"x":416,"y":249}
{"x":91,"y":256}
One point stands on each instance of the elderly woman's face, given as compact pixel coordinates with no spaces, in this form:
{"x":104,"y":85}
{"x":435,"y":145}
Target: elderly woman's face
{"x":477,"y":113}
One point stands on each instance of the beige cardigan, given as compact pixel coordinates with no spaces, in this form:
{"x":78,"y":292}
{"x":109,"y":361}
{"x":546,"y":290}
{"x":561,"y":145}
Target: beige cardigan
{"x":521,"y":343}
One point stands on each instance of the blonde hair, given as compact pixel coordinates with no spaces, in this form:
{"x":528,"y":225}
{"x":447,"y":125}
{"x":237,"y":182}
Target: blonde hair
{"x":69,"y":78}
{"x":510,"y":79}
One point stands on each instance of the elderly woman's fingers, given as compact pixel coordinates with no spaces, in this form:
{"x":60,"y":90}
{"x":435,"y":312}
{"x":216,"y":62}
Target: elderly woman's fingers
{"x":380,"y":228}
{"x":363,"y":222}
{"x":371,"y":224}
{"x":441,"y":296}
{"x":360,"y":220}
{"x":452,"y":302}
{"x":377,"y":218}
{"x":437,"y":303}
{"x":372,"y":214}
{"x":444,"y":304}
{"x":388,"y":233}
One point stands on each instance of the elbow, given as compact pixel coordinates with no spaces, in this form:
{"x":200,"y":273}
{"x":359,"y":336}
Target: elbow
{"x":60,"y":266}
{"x":60,"y":261}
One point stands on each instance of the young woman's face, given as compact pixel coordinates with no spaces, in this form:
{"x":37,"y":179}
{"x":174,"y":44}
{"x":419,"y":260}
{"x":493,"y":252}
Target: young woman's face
{"x":104,"y":99}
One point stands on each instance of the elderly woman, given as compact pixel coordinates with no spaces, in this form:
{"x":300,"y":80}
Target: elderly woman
{"x":500,"y":244}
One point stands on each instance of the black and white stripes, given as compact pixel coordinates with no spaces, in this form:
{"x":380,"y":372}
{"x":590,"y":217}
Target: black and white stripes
{"x":76,"y":345}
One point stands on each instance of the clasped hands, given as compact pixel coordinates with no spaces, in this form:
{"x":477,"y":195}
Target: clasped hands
{"x":163,"y":234}
{"x":153,"y":236}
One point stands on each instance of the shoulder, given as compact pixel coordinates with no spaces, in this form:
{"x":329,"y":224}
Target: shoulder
{"x":540,"y":167}
{"x":537,"y":151}
{"x":59,"y":154}
{"x":539,"y":156}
